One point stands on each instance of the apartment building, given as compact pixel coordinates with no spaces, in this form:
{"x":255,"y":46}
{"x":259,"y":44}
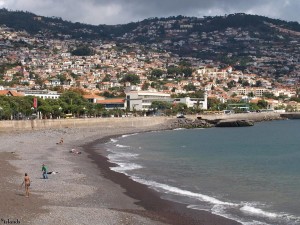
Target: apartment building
{"x":142,"y":100}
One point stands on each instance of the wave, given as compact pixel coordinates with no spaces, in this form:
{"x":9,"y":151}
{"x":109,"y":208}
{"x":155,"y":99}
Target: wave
{"x":128,"y":135}
{"x":122,"y":146}
{"x":121,"y":156}
{"x":113,"y":140}
{"x":174,"y":190}
{"x":258,"y":212}
{"x":179,"y":129}
{"x":283,"y":217}
{"x":122,"y":167}
{"x":221,"y":207}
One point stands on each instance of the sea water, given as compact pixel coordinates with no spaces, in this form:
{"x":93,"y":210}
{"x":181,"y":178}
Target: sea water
{"x":249,"y":174}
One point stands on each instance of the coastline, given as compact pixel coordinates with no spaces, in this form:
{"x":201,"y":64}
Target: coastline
{"x":85,"y":190}
{"x":156,"y":208}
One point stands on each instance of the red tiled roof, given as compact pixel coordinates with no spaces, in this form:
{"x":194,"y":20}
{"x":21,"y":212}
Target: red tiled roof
{"x":91,"y":96}
{"x":112,"y":100}
{"x":10,"y":93}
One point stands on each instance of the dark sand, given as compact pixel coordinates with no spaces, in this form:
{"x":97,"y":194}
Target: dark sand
{"x":156,"y":208}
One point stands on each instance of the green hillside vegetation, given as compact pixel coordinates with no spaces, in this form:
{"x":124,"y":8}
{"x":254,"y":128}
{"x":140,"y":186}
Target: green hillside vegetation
{"x":33,"y":24}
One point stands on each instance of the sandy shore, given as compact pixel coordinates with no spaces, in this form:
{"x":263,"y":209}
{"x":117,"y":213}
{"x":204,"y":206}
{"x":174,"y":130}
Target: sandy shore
{"x":84,"y":191}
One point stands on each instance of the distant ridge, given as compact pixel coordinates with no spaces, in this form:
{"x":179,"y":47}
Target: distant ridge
{"x":55,"y":26}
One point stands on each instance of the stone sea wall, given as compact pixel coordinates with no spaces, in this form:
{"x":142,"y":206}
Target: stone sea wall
{"x":199,"y":121}
{"x":104,"y":123}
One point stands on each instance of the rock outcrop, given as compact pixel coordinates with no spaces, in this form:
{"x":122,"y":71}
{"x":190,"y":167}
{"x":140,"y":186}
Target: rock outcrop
{"x":189,"y":123}
{"x":234,"y":123}
{"x":290,"y":115}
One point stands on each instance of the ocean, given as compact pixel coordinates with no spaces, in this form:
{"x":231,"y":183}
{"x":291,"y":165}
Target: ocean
{"x":248,"y":174}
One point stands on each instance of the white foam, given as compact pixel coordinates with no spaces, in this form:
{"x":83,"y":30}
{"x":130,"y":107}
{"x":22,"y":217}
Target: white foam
{"x":179,"y":129}
{"x":122,"y":167}
{"x":178,"y":191}
{"x":122,"y":146}
{"x":218,"y":207}
{"x":255,"y":222}
{"x":258,"y":212}
{"x":128,"y":135}
{"x":113,"y":140}
{"x":122,"y":155}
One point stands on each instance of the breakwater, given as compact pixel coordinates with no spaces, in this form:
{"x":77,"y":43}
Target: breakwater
{"x":230,"y":120}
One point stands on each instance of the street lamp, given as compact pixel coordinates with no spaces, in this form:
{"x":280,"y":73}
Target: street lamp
{"x":1,"y":109}
{"x":60,"y":108}
{"x":33,"y":115}
{"x":84,"y":112}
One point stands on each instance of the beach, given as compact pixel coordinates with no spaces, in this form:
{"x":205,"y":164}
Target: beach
{"x":83,"y":190}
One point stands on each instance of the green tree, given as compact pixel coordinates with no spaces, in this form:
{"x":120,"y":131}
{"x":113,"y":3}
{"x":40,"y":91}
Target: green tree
{"x":83,"y":50}
{"x":161,"y":105}
{"x":132,"y":78}
{"x":262,"y":104}
{"x":296,"y":99}
{"x":268,"y":95}
{"x":156,"y":73}
{"x":145,"y":86}
{"x":258,"y":83}
{"x":45,"y":110}
{"x":189,"y":87}
{"x":231,"y":84}
{"x":106,"y":78}
{"x":72,"y":102}
{"x":213,"y":104}
{"x":250,"y":94}
{"x":173,"y":70}
{"x":179,"y":107}
{"x":187,"y":71}
{"x":62,"y":78}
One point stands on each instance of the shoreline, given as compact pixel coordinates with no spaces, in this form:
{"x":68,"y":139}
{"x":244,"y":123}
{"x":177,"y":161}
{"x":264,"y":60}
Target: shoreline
{"x":156,"y":208}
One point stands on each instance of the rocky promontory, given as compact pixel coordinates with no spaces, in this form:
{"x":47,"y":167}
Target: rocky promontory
{"x":223,"y":120}
{"x":200,"y":123}
{"x":235,"y":123}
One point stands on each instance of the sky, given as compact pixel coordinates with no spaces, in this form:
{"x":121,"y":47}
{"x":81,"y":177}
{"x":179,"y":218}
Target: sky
{"x":113,"y":12}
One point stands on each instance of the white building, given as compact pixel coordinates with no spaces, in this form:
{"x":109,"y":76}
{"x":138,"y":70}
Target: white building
{"x":142,"y":100}
{"x":201,"y":103}
{"x":44,"y":94}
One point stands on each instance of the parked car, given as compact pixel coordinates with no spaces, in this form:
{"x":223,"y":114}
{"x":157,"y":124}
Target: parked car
{"x":180,"y":115}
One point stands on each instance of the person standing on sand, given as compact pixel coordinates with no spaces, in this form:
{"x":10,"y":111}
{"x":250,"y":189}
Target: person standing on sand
{"x":26,"y":181}
{"x":45,"y":171}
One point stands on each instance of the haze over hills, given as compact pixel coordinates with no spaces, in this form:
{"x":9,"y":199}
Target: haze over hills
{"x":236,"y":39}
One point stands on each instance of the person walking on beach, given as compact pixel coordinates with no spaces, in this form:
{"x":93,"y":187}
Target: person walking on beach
{"x":26,"y":181}
{"x":45,"y":171}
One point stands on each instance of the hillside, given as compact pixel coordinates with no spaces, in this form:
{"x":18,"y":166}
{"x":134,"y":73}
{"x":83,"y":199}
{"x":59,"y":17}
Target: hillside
{"x":156,"y":28}
{"x":57,"y":27}
{"x":248,"y":42}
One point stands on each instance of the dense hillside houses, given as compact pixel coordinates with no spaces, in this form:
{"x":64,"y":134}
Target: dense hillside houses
{"x":46,"y":66}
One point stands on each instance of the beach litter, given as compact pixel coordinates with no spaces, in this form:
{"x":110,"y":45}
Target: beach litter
{"x":74,"y":151}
